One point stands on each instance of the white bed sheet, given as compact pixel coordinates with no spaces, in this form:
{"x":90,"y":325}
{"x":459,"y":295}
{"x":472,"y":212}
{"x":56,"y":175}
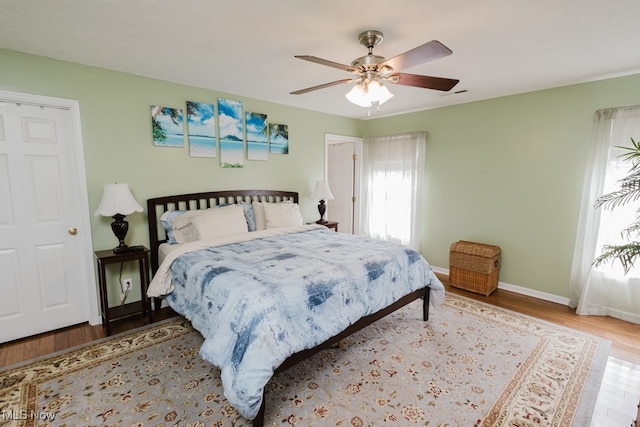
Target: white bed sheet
{"x":164,"y":249}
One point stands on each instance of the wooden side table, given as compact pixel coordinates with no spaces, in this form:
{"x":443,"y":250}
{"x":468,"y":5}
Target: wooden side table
{"x":329,"y":224}
{"x":110,"y":314}
{"x":332,"y":224}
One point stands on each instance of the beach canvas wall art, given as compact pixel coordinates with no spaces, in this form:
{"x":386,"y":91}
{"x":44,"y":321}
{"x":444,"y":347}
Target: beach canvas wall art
{"x":231,"y":133}
{"x":167,"y":125}
{"x":257,"y":136}
{"x":278,"y":139}
{"x":201,"y":125}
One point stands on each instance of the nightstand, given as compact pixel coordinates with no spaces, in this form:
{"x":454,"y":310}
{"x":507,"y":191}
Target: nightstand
{"x":110,"y":314}
{"x":332,"y":224}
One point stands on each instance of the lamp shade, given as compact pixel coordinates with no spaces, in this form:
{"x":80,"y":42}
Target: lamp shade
{"x":117,"y":199}
{"x":379,"y":93}
{"x":322,"y":191}
{"x":358,"y":96}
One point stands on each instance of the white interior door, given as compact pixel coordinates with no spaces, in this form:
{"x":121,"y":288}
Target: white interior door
{"x":43,"y":233}
{"x":343,"y":173}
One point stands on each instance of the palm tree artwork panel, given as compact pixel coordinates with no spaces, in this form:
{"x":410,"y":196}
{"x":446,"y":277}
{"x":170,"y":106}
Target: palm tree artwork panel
{"x":278,"y":138}
{"x":167,"y":125}
{"x":201,"y":124}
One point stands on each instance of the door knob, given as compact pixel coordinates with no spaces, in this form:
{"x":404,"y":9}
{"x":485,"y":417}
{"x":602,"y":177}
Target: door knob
{"x":73,"y":231}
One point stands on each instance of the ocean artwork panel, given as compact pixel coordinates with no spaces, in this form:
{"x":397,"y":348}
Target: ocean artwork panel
{"x":167,"y":125}
{"x":278,"y":139}
{"x":201,"y":126}
{"x":257,"y":136}
{"x":231,"y":133}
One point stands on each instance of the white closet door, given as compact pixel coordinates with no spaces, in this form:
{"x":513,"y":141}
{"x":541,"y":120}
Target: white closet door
{"x":44,"y":281}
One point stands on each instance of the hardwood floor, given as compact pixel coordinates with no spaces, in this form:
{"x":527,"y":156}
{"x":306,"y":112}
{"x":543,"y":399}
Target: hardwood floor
{"x":50,"y":342}
{"x":617,"y":400}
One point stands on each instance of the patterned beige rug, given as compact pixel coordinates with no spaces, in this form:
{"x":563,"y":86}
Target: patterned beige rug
{"x":471,"y":364}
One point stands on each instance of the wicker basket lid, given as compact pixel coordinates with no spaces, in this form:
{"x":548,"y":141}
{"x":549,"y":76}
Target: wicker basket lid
{"x":477,"y":249}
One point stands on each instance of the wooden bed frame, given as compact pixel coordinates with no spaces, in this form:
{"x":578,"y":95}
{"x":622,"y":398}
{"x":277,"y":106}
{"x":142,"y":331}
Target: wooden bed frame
{"x":157,"y":206}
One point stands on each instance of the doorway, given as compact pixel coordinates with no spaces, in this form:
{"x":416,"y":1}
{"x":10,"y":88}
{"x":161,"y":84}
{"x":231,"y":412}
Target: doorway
{"x":343,"y":159}
{"x":45,"y":235}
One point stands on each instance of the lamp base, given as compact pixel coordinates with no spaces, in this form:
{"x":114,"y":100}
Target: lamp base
{"x":120,"y":227}
{"x":322,"y":208}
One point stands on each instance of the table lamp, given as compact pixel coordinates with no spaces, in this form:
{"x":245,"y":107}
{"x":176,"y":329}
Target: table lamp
{"x":323,"y":193}
{"x":117,"y":202}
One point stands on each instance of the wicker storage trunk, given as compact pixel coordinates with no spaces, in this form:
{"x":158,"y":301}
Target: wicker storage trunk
{"x":474,"y":266}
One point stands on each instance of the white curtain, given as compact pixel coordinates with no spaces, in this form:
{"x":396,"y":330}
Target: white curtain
{"x":393,"y":170}
{"x":606,"y":290}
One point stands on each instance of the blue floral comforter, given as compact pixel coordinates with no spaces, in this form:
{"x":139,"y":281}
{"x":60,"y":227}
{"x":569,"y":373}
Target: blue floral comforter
{"x":259,"y":301}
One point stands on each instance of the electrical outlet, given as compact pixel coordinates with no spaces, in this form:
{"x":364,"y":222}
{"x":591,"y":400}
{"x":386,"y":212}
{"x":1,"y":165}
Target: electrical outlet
{"x":128,"y":283}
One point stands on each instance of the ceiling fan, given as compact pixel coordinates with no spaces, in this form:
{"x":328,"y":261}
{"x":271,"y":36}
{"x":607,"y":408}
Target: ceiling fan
{"x":372,"y":70}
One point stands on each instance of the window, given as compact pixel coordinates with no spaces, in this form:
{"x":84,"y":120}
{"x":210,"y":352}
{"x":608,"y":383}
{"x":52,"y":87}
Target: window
{"x":392,"y":180}
{"x":606,"y":290}
{"x":613,"y":221}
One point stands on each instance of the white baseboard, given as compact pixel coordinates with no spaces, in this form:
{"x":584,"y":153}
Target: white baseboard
{"x":518,"y":289}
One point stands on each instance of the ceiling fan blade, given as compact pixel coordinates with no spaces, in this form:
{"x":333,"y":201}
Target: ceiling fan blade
{"x":309,"y":89}
{"x":427,"y":82}
{"x":418,"y":55}
{"x":326,"y":62}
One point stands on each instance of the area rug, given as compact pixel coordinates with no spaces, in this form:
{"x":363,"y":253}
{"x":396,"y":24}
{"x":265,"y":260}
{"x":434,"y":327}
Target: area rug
{"x":471,"y":364}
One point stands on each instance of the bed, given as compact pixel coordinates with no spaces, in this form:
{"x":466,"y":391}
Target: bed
{"x":267,"y":291}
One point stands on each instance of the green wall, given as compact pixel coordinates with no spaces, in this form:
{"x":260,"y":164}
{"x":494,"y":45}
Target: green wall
{"x":509,"y":171}
{"x":506,"y":171}
{"x":116,"y":127}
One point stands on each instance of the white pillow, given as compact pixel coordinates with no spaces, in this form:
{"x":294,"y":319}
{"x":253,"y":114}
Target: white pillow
{"x":258,"y":211}
{"x":183,"y":231}
{"x":220,"y":222}
{"x":281,"y":215}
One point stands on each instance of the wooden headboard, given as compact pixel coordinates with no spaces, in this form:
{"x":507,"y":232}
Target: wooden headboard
{"x":159,"y":205}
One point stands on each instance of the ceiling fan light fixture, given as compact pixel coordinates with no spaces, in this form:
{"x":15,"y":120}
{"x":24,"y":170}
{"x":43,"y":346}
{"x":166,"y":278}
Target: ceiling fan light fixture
{"x":379,"y":93}
{"x":366,"y":94}
{"x":358,"y":96}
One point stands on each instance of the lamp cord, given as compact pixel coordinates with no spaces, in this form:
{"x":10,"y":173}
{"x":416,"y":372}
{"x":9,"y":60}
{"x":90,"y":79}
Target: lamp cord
{"x":123,"y":292}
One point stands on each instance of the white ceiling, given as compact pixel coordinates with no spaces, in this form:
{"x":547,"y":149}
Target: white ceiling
{"x":247,"y":47}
